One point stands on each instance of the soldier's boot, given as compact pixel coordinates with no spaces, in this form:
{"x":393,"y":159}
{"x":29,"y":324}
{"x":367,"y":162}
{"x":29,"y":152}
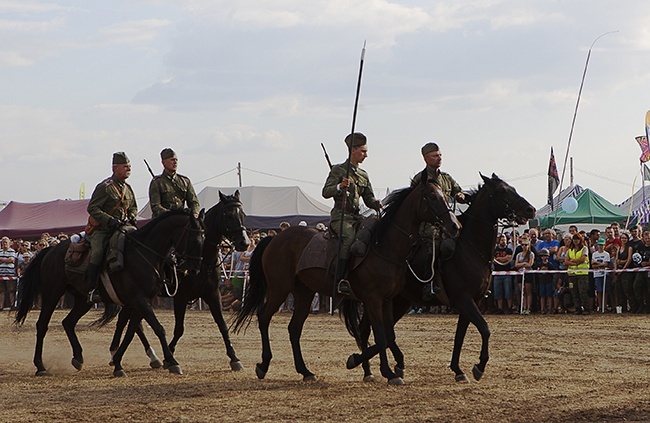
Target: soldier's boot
{"x":91,"y":280}
{"x":343,"y":286}
{"x":447,"y":248}
{"x":431,"y":289}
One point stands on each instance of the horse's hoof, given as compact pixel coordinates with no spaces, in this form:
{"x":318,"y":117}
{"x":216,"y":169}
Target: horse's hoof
{"x":175,"y":369}
{"x":156,"y":364}
{"x":396,"y":381}
{"x":77,"y":364}
{"x":165,"y":364}
{"x":399,"y":371}
{"x":111,"y":363}
{"x":369,"y":378}
{"x":309,"y":378}
{"x":236,"y":366}
{"x":43,"y":373}
{"x":477,"y":373}
{"x":119,"y":373}
{"x":352,"y":362}
{"x":259,"y":372}
{"x":462,"y":378}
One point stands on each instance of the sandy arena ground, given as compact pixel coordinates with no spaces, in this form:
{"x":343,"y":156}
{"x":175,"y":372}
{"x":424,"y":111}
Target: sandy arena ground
{"x":543,"y":369}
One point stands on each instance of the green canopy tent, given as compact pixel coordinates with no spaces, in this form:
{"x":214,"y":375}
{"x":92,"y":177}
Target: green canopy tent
{"x":592,"y":208}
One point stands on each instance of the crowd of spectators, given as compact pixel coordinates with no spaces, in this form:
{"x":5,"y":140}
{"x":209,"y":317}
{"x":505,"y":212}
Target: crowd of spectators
{"x":575,"y":272}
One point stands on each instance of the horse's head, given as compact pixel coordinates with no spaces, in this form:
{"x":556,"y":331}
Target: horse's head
{"x":506,"y":202}
{"x":437,"y":209}
{"x":226,"y":218}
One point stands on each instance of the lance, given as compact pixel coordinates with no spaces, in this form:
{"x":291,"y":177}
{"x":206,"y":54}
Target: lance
{"x":347,"y":170}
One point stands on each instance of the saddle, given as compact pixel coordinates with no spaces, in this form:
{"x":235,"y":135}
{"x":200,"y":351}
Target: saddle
{"x":115,"y":252}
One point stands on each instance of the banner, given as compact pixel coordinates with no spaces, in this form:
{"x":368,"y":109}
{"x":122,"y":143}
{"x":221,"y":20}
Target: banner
{"x":645,"y":149}
{"x":553,"y":178}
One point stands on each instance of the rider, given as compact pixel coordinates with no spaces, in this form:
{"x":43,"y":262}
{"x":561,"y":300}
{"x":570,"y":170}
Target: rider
{"x":433,"y":159}
{"x":353,"y":187}
{"x":169,"y":190}
{"x":112,"y":204}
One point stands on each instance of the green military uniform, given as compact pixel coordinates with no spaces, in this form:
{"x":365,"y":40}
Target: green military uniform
{"x":114,"y":196}
{"x":359,"y":187}
{"x":449,"y":186}
{"x":169,"y":192}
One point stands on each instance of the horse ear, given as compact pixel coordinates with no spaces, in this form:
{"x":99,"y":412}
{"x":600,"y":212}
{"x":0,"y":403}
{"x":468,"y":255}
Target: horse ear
{"x":236,"y":194}
{"x":494,"y":176}
{"x":485,"y":178}
{"x":202,"y":214}
{"x":221,"y":196}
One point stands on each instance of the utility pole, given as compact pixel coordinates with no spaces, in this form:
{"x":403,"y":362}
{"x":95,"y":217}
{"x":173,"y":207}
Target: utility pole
{"x":239,"y":173}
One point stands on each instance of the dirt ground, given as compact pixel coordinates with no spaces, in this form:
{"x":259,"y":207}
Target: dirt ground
{"x":542,"y":369}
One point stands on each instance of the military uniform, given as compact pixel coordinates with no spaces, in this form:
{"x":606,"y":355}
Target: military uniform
{"x":169,"y":192}
{"x":109,"y":195}
{"x":449,"y":186}
{"x":360,"y":187}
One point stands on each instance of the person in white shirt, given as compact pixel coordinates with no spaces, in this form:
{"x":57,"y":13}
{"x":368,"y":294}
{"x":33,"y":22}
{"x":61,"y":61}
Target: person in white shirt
{"x":600,"y":260}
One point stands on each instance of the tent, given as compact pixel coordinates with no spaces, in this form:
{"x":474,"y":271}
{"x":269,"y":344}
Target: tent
{"x":638,"y":206}
{"x":30,"y":220}
{"x":592,"y":208}
{"x":267,"y":207}
{"x":570,"y":191}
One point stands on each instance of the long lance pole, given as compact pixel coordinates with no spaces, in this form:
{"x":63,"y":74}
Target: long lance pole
{"x":575,"y":114}
{"x":347,"y":170}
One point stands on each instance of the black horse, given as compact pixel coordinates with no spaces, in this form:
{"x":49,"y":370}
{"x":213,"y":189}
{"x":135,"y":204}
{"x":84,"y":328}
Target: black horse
{"x":145,"y":252}
{"x":224,"y":219}
{"x":274,"y":272}
{"x":466,"y":275}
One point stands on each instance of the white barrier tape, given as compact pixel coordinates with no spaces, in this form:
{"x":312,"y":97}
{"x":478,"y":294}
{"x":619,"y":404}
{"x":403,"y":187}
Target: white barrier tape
{"x":515,"y":272}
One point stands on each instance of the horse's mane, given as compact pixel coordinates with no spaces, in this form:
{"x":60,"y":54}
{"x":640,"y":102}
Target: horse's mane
{"x":146,"y":229}
{"x":391,"y":205}
{"x":470,"y":195}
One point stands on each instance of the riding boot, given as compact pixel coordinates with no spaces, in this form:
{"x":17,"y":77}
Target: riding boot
{"x":91,"y":280}
{"x":343,"y":286}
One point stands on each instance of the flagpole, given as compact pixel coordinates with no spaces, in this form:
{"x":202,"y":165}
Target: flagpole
{"x":575,"y":113}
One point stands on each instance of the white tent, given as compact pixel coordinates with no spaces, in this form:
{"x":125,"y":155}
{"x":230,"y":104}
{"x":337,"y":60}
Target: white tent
{"x":267,"y":207}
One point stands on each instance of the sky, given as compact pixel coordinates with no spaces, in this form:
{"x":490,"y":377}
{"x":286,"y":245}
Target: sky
{"x":263,"y":83}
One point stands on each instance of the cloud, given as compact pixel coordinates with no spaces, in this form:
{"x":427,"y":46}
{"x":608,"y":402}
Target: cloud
{"x":132,"y":32}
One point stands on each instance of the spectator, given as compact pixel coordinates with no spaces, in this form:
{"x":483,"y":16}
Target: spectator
{"x":271,"y":232}
{"x":321,"y":227}
{"x":284,"y":225}
{"x":641,"y":278}
{"x":502,"y":284}
{"x":41,"y":244}
{"x":524,"y":261}
{"x":532,"y":234}
{"x":624,"y":280}
{"x":635,"y":240}
{"x":600,"y":260}
{"x":562,"y":294}
{"x":611,"y":244}
{"x":545,"y":280}
{"x":230,"y":296}
{"x":8,"y":261}
{"x":577,"y":262}
{"x":302,"y":223}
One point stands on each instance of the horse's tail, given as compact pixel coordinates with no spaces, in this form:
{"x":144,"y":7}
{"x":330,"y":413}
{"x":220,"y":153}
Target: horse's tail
{"x":30,"y":286}
{"x":110,"y":311}
{"x":352,"y":316}
{"x":253,"y":301}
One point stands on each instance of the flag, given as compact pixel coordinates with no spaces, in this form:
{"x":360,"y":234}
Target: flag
{"x":645,"y":149}
{"x":553,"y":178}
{"x":82,"y":191}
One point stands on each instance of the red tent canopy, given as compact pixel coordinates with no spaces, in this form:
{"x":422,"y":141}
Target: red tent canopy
{"x":30,"y":220}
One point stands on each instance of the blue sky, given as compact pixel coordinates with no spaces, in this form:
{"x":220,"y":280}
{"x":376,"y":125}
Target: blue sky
{"x":264,"y":82}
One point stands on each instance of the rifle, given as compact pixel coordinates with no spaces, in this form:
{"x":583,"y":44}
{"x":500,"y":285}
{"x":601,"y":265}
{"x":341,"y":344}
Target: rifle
{"x":149,"y":168}
{"x":326,"y":156}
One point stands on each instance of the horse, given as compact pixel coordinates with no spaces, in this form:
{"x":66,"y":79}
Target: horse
{"x":145,"y":252}
{"x":465,"y":275}
{"x":273,"y":271}
{"x":224,"y":219}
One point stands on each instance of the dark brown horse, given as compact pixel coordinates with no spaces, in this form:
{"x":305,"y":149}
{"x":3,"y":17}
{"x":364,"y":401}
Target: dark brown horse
{"x":224,"y":219}
{"x":375,"y":280}
{"x":145,"y":252}
{"x":466,"y":275}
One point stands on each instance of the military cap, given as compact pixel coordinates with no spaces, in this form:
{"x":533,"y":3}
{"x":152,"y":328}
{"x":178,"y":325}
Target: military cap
{"x":429,"y":147}
{"x":167,"y":153}
{"x":359,"y":139}
{"x":120,"y":158}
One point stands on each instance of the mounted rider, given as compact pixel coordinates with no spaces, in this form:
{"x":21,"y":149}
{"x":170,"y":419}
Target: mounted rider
{"x":356,"y":185}
{"x":169,"y":190}
{"x":111,"y":205}
{"x":433,"y":159}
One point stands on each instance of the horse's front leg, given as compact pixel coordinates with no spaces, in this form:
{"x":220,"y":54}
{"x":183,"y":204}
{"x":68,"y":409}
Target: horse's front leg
{"x":213,"y":300}
{"x":134,"y":321}
{"x":461,"y":330}
{"x":180,"y":308}
{"x":122,"y":321}
{"x":169,"y":362}
{"x":476,"y":318}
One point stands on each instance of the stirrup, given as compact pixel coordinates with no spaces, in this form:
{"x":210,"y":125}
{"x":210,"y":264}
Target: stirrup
{"x":94,"y":297}
{"x":429,"y":292}
{"x":344,"y":287}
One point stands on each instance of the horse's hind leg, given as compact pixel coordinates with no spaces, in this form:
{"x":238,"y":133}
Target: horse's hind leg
{"x":169,"y":362}
{"x":154,"y":361}
{"x":47,"y":308}
{"x":301,"y":306}
{"x":79,"y":309}
{"x":213,"y":300}
{"x":180,"y":308}
{"x":264,"y":315}
{"x":134,"y":321}
{"x":461,"y":330}
{"x":122,"y":320}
